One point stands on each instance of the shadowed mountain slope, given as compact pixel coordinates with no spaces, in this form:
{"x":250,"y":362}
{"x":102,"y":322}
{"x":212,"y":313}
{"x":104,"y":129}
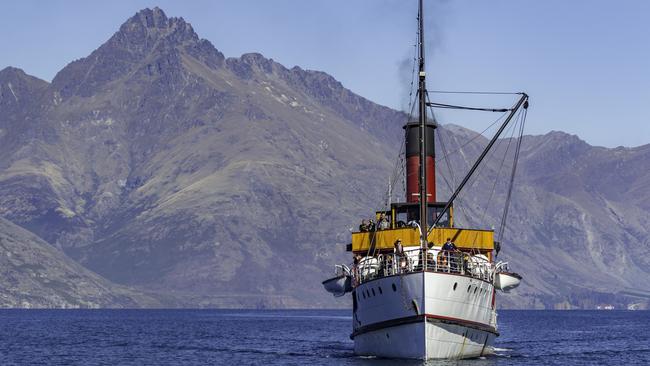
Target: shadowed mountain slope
{"x":36,"y":275}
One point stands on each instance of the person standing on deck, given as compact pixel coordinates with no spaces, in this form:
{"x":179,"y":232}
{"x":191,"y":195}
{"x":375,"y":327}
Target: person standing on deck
{"x":449,"y":251}
{"x":383,"y":222}
{"x":449,"y":246}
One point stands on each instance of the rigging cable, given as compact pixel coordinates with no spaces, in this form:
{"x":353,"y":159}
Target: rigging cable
{"x":452,"y":106}
{"x":400,"y":164}
{"x":484,"y":167}
{"x":472,"y":181}
{"x":473,"y":92}
{"x":480,"y":134}
{"x":448,"y":164}
{"x":461,"y":204}
{"x":514,"y":170}
{"x":498,"y":174}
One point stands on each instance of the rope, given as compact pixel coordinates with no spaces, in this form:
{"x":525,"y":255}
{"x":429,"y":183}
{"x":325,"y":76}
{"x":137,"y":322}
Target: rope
{"x":473,"y":92}
{"x":505,"y":154}
{"x":480,"y":134}
{"x":451,"y":106}
{"x":400,"y":164}
{"x":502,"y":227}
{"x":448,"y":163}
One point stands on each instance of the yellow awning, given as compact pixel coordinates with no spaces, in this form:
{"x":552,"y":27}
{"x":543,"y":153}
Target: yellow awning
{"x":385,"y":239}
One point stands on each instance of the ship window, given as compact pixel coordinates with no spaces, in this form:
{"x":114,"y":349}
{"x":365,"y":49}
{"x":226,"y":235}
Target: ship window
{"x":469,"y":288}
{"x":394,"y":288}
{"x":475,"y":288}
{"x":434,"y":212}
{"x":380,"y":292}
{"x":455,"y":284}
{"x":364,"y":295}
{"x":373,"y":292}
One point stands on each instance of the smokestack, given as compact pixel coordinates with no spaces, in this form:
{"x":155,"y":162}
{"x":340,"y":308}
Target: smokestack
{"x":413,"y":162}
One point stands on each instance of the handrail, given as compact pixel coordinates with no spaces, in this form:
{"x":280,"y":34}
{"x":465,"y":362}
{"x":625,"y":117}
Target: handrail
{"x":418,"y":260}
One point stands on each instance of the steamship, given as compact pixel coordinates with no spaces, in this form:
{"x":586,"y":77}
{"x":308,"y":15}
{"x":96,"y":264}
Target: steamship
{"x":413,"y":296}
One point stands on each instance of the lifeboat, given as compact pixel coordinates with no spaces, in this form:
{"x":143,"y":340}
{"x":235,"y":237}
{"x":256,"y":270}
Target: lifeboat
{"x":341,"y":283}
{"x":505,"y":280}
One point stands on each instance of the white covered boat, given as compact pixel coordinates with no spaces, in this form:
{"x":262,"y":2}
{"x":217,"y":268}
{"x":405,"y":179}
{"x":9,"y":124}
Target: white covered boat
{"x":341,"y":283}
{"x":505,"y":280}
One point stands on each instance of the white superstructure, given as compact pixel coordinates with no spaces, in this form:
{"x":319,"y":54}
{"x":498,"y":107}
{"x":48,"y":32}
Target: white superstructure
{"x":412,"y":312}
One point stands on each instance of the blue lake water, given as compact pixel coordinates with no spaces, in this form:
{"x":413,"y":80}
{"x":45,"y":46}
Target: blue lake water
{"x":297,"y":337}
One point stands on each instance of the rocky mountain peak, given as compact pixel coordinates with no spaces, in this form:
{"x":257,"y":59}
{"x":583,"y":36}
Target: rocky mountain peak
{"x":147,"y":38}
{"x":16,"y":87}
{"x":16,"y":75}
{"x":10,"y":71}
{"x":153,"y":25}
{"x":151,"y":18}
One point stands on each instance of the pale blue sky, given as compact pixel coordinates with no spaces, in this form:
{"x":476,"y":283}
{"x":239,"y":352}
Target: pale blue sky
{"x":584,"y":63}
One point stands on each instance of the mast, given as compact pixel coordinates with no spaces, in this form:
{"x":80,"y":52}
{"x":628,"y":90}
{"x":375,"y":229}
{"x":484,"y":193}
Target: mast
{"x":419,"y":146}
{"x":423,"y":131}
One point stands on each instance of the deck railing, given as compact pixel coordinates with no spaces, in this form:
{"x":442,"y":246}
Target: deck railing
{"x":416,"y":260}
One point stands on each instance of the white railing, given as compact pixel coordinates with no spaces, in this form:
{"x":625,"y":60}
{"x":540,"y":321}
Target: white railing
{"x":415,"y":260}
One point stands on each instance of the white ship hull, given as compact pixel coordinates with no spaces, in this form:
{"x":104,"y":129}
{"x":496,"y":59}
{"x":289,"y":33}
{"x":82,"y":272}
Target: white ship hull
{"x":426,"y":315}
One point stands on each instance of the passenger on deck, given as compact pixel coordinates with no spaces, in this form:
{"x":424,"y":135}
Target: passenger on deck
{"x":399,"y":253}
{"x":355,"y":269}
{"x":431,"y":261}
{"x":450,"y":255}
{"x":399,"y":249}
{"x":449,"y":246}
{"x":364,"y":226}
{"x":383,"y":222}
{"x":371,"y":225}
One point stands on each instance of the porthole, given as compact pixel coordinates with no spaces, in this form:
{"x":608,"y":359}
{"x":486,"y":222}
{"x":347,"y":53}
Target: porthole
{"x":455,"y":285}
{"x":373,"y":292}
{"x":394,"y":287}
{"x":380,"y":291}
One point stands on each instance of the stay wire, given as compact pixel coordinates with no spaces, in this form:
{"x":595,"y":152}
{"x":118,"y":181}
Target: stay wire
{"x":483,"y":167}
{"x":448,"y":164}
{"x":512,"y":175}
{"x":399,"y":166}
{"x":473,"y":92}
{"x":498,"y":174}
{"x":480,"y":134}
{"x":465,"y":108}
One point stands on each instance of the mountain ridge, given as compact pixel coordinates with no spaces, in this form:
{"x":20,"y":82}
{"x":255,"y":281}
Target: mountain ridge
{"x":161,"y":165}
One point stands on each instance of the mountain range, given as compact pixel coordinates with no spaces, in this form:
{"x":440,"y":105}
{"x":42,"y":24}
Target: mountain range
{"x":157,"y":172}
